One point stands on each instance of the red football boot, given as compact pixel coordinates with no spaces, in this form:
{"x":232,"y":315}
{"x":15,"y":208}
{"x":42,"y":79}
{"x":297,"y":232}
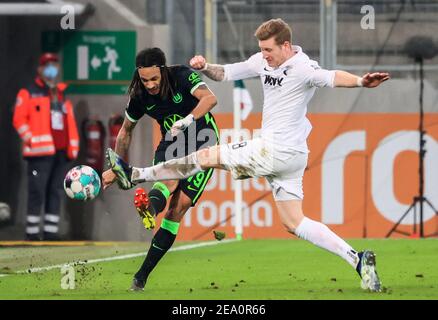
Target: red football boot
{"x":141,"y":203}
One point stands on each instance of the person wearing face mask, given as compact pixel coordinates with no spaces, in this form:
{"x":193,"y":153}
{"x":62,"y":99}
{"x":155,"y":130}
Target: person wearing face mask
{"x":46,"y":124}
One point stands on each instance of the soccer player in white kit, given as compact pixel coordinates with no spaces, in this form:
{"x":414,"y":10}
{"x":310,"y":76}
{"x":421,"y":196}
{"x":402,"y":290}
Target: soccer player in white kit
{"x":289,"y":79}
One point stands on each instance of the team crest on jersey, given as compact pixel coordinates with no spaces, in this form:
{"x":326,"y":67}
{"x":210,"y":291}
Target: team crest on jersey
{"x":178,"y":98}
{"x":170,"y":120}
{"x":274,"y":82}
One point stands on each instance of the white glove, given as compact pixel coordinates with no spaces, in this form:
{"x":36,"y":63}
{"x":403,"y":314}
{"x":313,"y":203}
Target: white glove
{"x":181,"y":125}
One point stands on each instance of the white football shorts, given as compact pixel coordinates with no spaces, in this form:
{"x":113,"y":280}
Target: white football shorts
{"x":284,"y":169}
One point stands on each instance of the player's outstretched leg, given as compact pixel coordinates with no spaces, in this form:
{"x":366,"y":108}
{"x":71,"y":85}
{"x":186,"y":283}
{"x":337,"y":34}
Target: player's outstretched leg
{"x":367,"y":271}
{"x":364,"y":262}
{"x":319,"y":234}
{"x":175,"y":169}
{"x":121,"y":169}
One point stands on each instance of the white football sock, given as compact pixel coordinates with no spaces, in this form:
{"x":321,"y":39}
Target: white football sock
{"x":321,"y":236}
{"x":175,"y":169}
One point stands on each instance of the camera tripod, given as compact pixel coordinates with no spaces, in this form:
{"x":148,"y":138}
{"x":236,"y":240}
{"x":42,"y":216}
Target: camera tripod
{"x":419,"y":200}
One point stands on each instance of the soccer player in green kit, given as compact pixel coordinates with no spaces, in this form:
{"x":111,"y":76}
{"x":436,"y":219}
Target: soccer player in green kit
{"x":180,"y":101}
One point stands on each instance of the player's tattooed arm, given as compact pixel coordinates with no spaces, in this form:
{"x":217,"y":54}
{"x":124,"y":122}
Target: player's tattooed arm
{"x":215,"y":72}
{"x":124,"y":138}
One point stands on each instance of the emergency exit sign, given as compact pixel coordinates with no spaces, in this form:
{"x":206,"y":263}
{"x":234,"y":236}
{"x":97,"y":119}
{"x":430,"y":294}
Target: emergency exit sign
{"x":98,"y":62}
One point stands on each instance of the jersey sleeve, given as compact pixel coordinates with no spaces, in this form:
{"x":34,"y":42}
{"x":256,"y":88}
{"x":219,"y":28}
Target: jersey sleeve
{"x":189,"y":79}
{"x":244,"y":70}
{"x":315,"y":76}
{"x":134,"y":110}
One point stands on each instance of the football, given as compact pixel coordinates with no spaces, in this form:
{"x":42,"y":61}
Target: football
{"x":82,"y":183}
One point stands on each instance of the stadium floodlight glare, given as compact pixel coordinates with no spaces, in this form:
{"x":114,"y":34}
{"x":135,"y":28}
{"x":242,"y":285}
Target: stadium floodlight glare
{"x":419,"y":48}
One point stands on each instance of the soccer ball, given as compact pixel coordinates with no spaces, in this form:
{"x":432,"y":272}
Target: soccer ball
{"x":82,"y":183}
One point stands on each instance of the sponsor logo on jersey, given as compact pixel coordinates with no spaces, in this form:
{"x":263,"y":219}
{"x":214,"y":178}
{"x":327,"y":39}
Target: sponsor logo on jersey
{"x":149,"y":108}
{"x":270,"y":81}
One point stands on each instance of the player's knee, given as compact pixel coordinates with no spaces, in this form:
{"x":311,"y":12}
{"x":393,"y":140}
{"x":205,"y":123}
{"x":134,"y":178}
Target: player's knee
{"x":177,"y":212}
{"x":183,"y":207}
{"x":171,"y":185}
{"x":290,"y":227}
{"x":171,"y":214}
{"x":292,"y":222}
{"x":208,"y":157}
{"x":203,"y":157}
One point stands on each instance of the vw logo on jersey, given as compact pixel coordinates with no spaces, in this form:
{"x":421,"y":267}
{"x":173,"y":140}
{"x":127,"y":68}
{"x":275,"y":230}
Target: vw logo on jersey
{"x":178,"y":98}
{"x":170,"y":120}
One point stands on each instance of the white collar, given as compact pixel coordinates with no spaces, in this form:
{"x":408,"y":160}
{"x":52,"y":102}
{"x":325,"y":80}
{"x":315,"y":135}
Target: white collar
{"x":297,"y":56}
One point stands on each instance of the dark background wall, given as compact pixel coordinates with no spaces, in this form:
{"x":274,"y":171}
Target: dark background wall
{"x":20,"y":39}
{"x":112,"y":216}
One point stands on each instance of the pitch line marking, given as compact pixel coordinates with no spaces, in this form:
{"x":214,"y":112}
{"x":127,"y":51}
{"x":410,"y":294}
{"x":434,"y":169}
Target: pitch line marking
{"x":122,"y":257}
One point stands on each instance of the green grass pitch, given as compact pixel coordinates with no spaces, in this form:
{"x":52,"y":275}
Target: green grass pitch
{"x":248,"y":269}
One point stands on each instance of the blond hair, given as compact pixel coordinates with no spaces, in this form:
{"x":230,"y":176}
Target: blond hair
{"x":276,"y":28}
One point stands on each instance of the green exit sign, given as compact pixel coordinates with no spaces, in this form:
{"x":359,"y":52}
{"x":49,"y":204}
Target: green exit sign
{"x":98,"y":62}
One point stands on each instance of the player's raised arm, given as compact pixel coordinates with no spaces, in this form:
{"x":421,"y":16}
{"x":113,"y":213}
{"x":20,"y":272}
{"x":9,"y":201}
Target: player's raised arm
{"x":215,"y":72}
{"x":229,"y":72}
{"x":369,"y":80}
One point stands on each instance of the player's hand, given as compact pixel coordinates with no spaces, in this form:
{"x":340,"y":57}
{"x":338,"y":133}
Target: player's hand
{"x":371,"y":80}
{"x":181,"y":125}
{"x":108,"y":178}
{"x":198,"y":62}
{"x":27,"y":141}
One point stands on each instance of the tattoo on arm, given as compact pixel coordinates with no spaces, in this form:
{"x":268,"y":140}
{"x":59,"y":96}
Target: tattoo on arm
{"x":215,"y":72}
{"x":122,"y":145}
{"x":124,"y":138}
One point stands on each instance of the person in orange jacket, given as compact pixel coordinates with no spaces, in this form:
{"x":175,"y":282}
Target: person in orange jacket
{"x":45,"y":121}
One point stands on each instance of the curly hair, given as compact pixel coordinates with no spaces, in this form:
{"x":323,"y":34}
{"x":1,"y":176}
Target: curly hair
{"x":152,"y":57}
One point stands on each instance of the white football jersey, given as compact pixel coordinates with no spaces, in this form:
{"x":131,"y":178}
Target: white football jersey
{"x":287,"y":91}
